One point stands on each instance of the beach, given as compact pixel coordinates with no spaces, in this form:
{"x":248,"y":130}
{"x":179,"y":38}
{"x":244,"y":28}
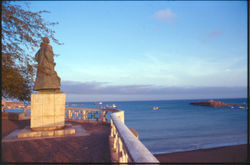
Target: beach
{"x":228,"y":154}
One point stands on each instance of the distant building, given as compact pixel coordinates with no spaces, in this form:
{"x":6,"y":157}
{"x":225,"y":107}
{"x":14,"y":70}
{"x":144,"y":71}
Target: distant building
{"x":12,"y":104}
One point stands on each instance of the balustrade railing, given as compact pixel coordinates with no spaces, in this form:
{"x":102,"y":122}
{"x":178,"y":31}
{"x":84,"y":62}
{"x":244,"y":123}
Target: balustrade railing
{"x":88,"y":114}
{"x":127,"y":148}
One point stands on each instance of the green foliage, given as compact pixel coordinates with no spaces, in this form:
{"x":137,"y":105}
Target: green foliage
{"x":22,"y":31}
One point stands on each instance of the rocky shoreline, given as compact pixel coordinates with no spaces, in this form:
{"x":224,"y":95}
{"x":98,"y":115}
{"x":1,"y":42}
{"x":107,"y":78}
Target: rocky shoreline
{"x":212,"y":103}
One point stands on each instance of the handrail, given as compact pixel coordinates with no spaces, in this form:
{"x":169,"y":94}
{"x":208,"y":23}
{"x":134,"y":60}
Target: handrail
{"x":126,"y":145}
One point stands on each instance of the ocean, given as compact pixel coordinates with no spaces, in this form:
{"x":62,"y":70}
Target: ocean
{"x":180,"y":126}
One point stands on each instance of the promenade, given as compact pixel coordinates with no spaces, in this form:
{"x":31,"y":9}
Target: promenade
{"x":92,"y":148}
{"x":101,"y":136}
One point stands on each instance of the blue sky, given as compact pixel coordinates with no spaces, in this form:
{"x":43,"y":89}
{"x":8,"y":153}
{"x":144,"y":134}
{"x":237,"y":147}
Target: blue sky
{"x":147,"y":50}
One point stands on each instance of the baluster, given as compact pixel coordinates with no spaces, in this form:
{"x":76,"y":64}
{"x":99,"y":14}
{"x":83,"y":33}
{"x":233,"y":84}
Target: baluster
{"x":79,"y":114}
{"x":96,"y":117}
{"x":87,"y":115}
{"x":73,"y":112}
{"x":66,"y":114}
{"x":99,"y":116}
{"x":112,"y":128}
{"x":91,"y":115}
{"x":118,"y":147}
{"x":126,"y":157}
{"x":103,"y":116}
{"x":70,"y":114}
{"x":84,"y":115}
{"x":121,"y":152}
{"x":76,"y":114}
{"x":115,"y":141}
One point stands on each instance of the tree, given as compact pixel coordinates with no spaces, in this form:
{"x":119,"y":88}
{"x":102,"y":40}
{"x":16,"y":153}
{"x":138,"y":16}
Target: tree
{"x":22,"y":31}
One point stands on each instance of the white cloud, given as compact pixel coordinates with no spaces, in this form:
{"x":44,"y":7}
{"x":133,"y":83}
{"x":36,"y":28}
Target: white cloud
{"x":165,"y":15}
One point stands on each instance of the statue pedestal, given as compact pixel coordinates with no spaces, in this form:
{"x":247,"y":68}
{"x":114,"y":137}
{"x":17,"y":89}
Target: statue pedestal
{"x":47,"y":117}
{"x":47,"y":111}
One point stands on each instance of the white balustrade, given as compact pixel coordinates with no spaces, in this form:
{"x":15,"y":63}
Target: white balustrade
{"x":88,"y":114}
{"x":128,"y":148}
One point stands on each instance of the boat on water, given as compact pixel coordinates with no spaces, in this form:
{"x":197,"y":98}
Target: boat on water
{"x":240,"y":107}
{"x":98,"y":103}
{"x":155,"y":108}
{"x":111,"y":107}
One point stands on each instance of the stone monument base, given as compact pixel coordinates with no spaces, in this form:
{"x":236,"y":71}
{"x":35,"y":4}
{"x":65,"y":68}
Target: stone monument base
{"x":48,"y":128}
{"x":31,"y":133}
{"x":47,"y":110}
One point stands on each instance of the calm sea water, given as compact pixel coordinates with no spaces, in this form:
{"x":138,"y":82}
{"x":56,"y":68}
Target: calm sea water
{"x":179,"y":126}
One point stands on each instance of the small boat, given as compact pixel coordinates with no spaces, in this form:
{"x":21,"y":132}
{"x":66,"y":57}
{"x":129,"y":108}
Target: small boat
{"x":111,"y":107}
{"x":232,"y":107}
{"x":155,"y":108}
{"x":240,"y":107}
{"x":98,"y":103}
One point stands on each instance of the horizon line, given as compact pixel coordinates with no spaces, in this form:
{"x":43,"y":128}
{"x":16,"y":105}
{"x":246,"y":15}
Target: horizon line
{"x":156,"y":100}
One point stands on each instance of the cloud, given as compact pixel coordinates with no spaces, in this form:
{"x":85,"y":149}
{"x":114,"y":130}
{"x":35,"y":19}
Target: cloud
{"x":214,"y":33}
{"x":74,"y":87}
{"x":103,"y":88}
{"x":165,"y":15}
{"x":210,"y":35}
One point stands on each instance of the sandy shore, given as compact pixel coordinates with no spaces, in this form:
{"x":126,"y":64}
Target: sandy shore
{"x":232,"y":154}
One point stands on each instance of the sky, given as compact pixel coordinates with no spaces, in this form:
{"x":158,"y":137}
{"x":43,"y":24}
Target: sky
{"x":145,"y":50}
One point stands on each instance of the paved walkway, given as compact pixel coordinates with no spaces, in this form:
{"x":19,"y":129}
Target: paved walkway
{"x":90,"y":148}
